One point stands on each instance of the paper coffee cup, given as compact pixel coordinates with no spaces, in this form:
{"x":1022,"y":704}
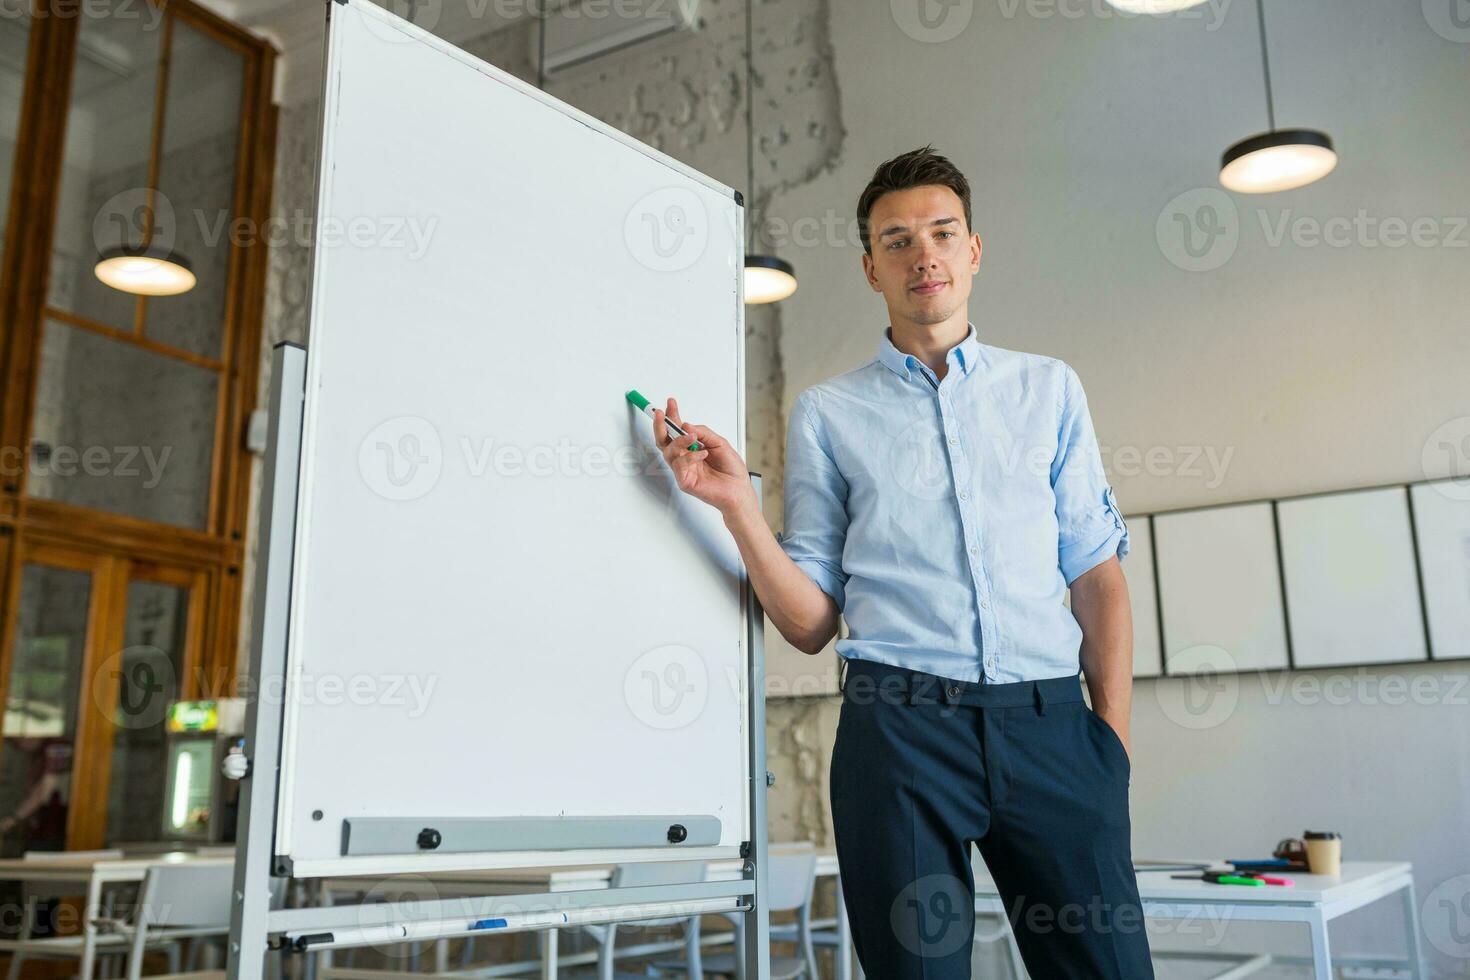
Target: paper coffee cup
{"x":1324,"y":852}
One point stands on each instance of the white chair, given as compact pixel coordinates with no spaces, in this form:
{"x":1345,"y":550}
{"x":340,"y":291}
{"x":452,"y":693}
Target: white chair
{"x":635,"y":875}
{"x":23,"y":947}
{"x":180,"y":901}
{"x":790,"y":879}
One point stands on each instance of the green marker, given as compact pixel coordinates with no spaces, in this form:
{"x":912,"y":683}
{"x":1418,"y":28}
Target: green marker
{"x":1224,"y":878}
{"x":641,"y":403}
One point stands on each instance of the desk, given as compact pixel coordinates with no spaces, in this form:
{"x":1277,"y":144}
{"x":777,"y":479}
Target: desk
{"x":1314,"y":901}
{"x":91,"y":874}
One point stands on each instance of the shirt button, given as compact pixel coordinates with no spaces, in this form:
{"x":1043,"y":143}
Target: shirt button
{"x":974,"y":550}
{"x":954,"y":440}
{"x":984,"y":604}
{"x":964,"y":495}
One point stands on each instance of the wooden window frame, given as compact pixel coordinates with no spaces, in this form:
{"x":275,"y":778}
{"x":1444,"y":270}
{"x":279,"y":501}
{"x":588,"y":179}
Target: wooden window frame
{"x":209,"y":558}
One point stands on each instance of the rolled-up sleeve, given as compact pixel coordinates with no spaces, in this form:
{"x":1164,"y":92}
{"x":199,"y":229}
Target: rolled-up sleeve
{"x":816,"y":502}
{"x":1090,"y":526}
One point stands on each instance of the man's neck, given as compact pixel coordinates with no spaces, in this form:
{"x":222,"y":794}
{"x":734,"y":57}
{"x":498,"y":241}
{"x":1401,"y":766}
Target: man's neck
{"x":930,"y":342}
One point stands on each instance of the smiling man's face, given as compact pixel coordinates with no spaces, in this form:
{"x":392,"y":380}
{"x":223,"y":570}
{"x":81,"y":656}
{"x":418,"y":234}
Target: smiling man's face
{"x":923,"y":256}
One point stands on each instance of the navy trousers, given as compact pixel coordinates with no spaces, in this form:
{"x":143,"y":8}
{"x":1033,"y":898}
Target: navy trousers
{"x":923,"y":765}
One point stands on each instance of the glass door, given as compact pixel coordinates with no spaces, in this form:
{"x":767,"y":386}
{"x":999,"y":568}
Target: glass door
{"x":101,"y":646}
{"x":161,"y":637}
{"x":44,"y":667}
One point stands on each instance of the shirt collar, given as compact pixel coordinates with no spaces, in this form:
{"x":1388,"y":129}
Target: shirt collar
{"x":966,"y":352}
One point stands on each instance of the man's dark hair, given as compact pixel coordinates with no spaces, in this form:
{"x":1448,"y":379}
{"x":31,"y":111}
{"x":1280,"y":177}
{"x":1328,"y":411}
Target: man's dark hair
{"x":915,"y":168}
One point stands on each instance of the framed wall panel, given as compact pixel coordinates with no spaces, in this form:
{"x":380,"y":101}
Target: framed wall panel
{"x":1219,"y":587}
{"x":1442,"y":533}
{"x":1352,"y":586}
{"x":1138,"y":569}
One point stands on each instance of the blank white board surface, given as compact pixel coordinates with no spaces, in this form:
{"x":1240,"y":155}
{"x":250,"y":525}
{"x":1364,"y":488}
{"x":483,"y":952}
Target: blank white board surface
{"x":1138,"y":570}
{"x":1219,"y":587}
{"x":502,"y":606}
{"x":1442,"y":523}
{"x":1351,"y":586}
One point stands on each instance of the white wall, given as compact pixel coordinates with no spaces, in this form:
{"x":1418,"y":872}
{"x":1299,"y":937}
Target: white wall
{"x":1302,"y":368}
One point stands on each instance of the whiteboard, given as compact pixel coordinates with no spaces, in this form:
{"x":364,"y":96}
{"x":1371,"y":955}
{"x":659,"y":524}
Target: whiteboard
{"x":480,"y":511}
{"x":1442,"y":524}
{"x":1219,"y":587}
{"x":1351,"y":584}
{"x":1138,"y":570}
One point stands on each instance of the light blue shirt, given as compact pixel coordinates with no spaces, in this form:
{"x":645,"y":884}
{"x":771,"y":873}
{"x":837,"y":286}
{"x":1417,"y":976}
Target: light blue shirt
{"x":948,"y":518}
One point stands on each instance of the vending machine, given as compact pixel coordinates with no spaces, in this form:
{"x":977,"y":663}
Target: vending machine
{"x":200,"y":804}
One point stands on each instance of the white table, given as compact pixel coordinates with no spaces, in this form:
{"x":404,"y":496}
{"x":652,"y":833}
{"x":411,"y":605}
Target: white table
{"x":580,"y":877}
{"x":90,"y":874}
{"x":1314,"y":901}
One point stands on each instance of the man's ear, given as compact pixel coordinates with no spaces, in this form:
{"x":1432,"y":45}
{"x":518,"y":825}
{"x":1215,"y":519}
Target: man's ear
{"x":869,"y":273}
{"x":976,"y":247}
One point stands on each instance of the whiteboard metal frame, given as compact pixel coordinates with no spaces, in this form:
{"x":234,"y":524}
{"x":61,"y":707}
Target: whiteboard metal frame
{"x":384,"y":20}
{"x":255,"y":928}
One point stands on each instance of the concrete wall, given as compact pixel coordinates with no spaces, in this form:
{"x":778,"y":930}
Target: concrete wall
{"x":1281,"y":365}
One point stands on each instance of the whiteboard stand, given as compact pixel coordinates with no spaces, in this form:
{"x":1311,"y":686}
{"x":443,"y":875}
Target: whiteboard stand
{"x":256,"y":928}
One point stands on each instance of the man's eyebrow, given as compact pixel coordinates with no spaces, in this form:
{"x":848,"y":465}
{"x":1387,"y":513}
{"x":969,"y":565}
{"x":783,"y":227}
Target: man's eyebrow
{"x":900,"y":229}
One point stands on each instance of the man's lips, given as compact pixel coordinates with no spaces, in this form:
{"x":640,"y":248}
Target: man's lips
{"x":929,"y":288}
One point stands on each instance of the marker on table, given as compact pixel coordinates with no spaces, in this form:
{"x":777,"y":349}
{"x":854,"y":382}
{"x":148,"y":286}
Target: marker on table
{"x":1221,"y":878}
{"x":641,"y":403}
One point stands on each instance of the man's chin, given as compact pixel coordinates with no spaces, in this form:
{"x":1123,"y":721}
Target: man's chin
{"x":928,"y":315}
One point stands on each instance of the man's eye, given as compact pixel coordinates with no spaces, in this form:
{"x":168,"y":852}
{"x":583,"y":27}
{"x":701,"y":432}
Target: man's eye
{"x":946,"y":234}
{"x":896,"y":244}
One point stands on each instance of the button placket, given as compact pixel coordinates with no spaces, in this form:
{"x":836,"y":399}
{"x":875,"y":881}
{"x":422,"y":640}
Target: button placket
{"x":968,"y":524}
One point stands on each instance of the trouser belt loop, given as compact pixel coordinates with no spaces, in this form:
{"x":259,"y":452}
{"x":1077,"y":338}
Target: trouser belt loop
{"x":1040,"y":699}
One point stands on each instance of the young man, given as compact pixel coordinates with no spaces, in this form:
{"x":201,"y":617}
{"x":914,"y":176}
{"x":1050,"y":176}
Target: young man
{"x":943,"y":498}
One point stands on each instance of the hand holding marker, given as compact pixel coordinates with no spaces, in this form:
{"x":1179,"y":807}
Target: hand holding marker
{"x":642,"y":405}
{"x":704,"y":463}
